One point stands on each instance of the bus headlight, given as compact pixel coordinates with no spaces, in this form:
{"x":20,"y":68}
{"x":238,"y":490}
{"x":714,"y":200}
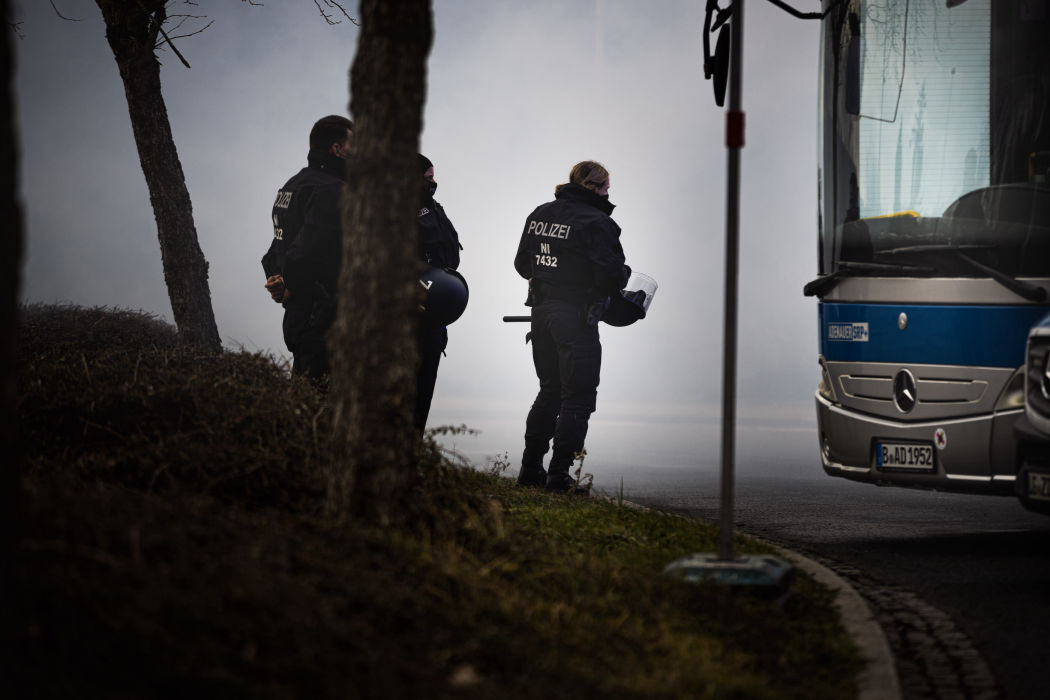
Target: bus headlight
{"x":1013,"y":395}
{"x":825,"y":388}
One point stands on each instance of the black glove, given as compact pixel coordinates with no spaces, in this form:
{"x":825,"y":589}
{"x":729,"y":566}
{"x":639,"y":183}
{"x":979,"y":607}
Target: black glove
{"x":595,"y":311}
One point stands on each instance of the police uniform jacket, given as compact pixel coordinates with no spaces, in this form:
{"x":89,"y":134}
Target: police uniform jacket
{"x":570,"y":248}
{"x":294,"y":201}
{"x":311,"y":260}
{"x":438,"y":240}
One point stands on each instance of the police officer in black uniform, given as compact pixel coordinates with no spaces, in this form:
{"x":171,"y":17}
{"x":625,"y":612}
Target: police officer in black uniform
{"x":570,"y":251}
{"x":439,"y":247}
{"x":302,"y":264}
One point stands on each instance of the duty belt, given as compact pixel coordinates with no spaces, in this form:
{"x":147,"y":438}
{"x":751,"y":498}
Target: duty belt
{"x":542,"y":291}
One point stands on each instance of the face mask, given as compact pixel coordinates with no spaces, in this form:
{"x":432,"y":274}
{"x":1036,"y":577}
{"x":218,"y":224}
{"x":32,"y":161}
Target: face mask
{"x":432,"y":187}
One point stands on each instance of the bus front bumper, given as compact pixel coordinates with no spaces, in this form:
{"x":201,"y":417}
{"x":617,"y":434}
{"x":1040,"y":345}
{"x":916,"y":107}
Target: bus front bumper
{"x":969,"y":455}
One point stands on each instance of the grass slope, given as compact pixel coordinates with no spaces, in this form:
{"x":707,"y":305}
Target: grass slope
{"x":173,"y":545}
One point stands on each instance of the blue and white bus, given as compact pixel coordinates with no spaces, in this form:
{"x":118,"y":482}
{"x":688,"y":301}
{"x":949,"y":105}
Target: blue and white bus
{"x":934,"y":237}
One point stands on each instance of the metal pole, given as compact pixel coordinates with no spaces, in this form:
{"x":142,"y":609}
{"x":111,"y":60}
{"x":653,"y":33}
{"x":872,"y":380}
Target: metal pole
{"x":734,"y":142}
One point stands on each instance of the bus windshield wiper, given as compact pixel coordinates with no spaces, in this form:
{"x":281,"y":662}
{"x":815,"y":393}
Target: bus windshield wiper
{"x":847,"y":268}
{"x":1025,"y":290}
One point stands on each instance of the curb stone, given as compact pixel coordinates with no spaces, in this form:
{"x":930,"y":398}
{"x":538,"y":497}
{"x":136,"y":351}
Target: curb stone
{"x":878,"y":680}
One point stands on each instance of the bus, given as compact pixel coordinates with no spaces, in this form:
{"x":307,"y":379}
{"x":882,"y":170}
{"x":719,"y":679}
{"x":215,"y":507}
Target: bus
{"x":933,"y":246}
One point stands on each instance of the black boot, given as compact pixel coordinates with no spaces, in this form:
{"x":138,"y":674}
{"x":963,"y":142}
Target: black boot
{"x":558,"y":479}
{"x":532,"y":472}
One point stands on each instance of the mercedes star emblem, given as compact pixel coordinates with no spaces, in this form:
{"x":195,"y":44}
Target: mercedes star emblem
{"x":904,"y":391}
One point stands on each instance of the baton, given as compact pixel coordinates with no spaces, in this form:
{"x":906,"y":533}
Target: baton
{"x":517,"y":319}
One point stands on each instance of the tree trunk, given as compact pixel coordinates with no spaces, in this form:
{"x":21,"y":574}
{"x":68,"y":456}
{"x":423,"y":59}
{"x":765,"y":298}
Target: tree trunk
{"x":373,"y":342}
{"x":131,"y":29}
{"x":10,"y":281}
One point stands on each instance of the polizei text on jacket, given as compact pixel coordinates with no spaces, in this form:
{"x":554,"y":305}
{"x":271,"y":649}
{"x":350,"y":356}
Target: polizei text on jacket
{"x":545,"y":228}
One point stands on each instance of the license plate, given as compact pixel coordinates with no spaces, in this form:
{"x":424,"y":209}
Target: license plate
{"x":1039,"y":486}
{"x":894,"y":455}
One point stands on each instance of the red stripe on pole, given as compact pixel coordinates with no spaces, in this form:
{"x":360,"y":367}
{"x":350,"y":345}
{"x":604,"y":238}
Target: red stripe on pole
{"x":734,"y":129}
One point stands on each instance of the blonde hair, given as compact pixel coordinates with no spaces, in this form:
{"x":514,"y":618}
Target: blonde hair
{"x":588,"y":173}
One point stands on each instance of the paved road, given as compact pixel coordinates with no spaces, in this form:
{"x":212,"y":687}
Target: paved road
{"x":960,"y":584}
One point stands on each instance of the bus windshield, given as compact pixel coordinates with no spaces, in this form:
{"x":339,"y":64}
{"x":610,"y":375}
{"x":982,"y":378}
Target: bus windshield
{"x":935,"y":135}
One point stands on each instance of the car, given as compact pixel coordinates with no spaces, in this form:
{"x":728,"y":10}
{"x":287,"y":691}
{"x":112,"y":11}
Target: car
{"x":1032,"y":430}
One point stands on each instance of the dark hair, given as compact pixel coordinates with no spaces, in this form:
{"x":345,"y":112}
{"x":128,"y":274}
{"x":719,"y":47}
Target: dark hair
{"x":329,"y":130}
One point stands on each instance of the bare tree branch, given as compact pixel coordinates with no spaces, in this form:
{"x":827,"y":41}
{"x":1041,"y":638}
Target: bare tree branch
{"x":158,"y":26}
{"x":182,"y":36}
{"x":182,"y":19}
{"x":337,"y":5}
{"x":175,"y":22}
{"x":68,"y":19}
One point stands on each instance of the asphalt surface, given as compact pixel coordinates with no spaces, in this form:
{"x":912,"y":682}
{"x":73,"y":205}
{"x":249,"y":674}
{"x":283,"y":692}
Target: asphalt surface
{"x":959,"y":584}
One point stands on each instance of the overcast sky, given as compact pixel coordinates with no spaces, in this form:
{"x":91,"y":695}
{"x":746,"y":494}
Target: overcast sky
{"x":518,"y":92}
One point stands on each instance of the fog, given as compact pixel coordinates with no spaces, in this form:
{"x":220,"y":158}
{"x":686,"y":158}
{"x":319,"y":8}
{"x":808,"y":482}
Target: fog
{"x":517,"y":93}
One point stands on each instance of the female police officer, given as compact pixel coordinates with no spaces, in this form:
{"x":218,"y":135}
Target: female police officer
{"x":570,"y":252}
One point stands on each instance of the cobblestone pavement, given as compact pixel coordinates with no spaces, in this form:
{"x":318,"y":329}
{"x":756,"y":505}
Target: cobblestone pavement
{"x":958,"y":584}
{"x":935,"y":660}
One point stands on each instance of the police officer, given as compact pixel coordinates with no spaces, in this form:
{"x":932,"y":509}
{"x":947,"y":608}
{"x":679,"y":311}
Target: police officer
{"x":302,"y":263}
{"x":439,"y":247}
{"x":570,"y":252}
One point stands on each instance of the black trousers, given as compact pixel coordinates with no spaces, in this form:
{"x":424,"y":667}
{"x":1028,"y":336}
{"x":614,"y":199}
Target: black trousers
{"x":305,"y":325}
{"x":568,"y":356}
{"x":432,"y":342}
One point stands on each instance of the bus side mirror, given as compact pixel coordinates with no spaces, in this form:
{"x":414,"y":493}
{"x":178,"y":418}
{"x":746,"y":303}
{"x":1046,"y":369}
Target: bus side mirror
{"x":716,"y":65}
{"x":721,"y":65}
